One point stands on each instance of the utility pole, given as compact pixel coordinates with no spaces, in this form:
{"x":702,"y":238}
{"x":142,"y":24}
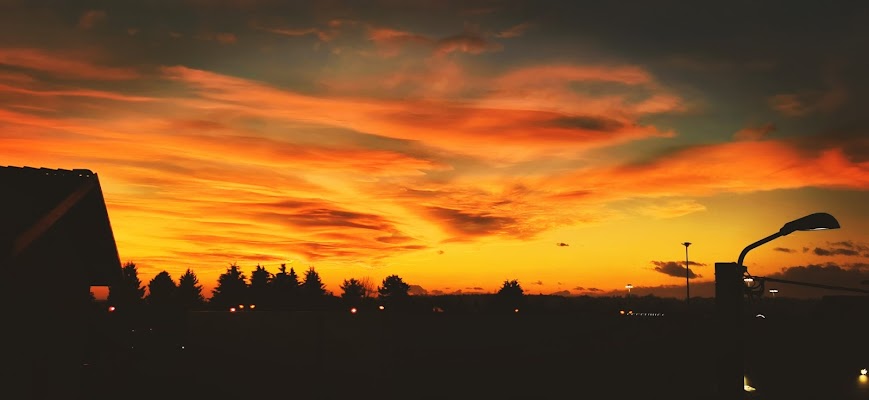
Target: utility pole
{"x":687,"y":275}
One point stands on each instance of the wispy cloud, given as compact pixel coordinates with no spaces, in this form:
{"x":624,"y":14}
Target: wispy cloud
{"x":68,"y":65}
{"x":755,"y":132}
{"x":514,"y":31}
{"x":91,"y":18}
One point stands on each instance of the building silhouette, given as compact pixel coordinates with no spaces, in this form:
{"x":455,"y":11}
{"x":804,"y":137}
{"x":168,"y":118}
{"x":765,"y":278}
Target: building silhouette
{"x":55,"y":243}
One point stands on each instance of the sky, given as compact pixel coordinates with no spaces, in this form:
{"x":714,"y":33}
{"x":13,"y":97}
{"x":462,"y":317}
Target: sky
{"x":573,"y":146}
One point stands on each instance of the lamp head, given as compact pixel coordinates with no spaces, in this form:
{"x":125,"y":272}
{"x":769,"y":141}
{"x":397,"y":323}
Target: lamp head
{"x":811,"y":222}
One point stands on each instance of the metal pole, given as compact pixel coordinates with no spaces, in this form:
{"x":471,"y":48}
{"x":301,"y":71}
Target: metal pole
{"x":729,"y":341}
{"x":687,"y":275}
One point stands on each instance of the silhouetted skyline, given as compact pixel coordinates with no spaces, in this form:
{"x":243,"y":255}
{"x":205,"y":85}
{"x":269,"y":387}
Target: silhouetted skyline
{"x":453,"y":143}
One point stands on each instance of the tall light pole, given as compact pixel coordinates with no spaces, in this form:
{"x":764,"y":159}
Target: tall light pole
{"x":730,"y":281}
{"x":687,"y":275}
{"x":629,"y":287}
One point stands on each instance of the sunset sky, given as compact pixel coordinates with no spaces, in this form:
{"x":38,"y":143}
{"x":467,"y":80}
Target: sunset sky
{"x":572,"y":146}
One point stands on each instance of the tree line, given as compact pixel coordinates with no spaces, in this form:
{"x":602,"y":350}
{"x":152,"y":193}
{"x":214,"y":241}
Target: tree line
{"x":264,"y":290}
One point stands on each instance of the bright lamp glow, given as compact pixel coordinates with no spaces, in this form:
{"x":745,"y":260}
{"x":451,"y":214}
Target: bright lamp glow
{"x":811,"y":222}
{"x":746,"y":386}
{"x":863,"y":371}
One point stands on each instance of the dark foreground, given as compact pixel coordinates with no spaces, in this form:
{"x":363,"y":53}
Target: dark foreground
{"x":383,"y":355}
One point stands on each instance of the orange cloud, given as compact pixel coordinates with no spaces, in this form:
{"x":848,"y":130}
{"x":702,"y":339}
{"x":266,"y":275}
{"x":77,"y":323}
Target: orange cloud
{"x":734,"y":167}
{"x":225,"y":38}
{"x":90,"y":18}
{"x":74,"y":93}
{"x":514,"y":31}
{"x":323,"y":35}
{"x":392,"y":41}
{"x":462,"y":126}
{"x":466,"y":42}
{"x":64,"y":66}
{"x":755,"y":132}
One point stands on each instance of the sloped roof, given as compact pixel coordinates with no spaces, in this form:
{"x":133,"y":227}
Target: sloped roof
{"x":45,"y":211}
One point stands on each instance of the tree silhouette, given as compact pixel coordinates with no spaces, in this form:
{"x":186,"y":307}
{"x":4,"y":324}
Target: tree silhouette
{"x":352,"y":291}
{"x":260,"y":279}
{"x":511,"y":294}
{"x":368,"y":287}
{"x":161,"y":290}
{"x":285,"y":288}
{"x":511,"y":289}
{"x":189,"y":291}
{"x":231,"y":289}
{"x":393,"y":287}
{"x":128,"y":293}
{"x":313,"y":290}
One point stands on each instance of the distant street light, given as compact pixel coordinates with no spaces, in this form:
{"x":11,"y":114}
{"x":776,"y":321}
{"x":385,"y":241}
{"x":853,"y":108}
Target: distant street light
{"x":687,"y":274}
{"x":729,"y":293}
{"x":629,"y":287}
{"x":773,"y":292}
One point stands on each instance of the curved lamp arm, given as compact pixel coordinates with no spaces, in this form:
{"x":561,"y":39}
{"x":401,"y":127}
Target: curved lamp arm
{"x":755,"y":244}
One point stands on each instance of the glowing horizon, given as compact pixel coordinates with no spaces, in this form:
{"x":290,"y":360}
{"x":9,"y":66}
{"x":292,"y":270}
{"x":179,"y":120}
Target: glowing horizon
{"x":455,"y":145}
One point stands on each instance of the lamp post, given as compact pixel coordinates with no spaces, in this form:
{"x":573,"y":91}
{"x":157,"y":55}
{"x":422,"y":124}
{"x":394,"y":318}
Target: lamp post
{"x":773,"y":292}
{"x":687,"y":275}
{"x":730,"y":279}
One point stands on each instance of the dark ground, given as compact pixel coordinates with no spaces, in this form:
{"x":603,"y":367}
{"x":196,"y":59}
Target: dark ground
{"x":387,"y":355}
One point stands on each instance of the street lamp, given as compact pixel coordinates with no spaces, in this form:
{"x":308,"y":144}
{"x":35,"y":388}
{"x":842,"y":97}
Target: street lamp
{"x":773,"y":292}
{"x":811,"y":222}
{"x":687,"y":274}
{"x":629,"y":287}
{"x":730,"y":280}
